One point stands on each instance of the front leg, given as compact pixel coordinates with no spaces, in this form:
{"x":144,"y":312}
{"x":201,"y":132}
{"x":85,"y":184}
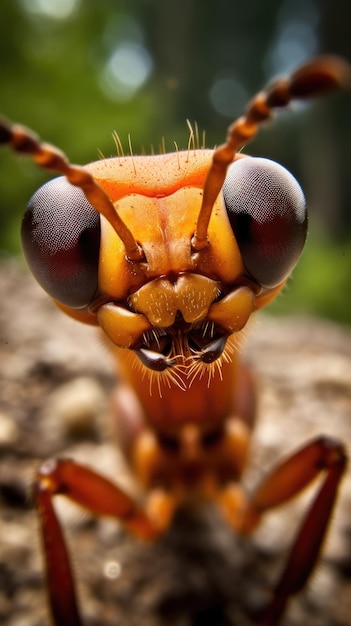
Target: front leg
{"x":324,"y":457}
{"x":100,"y":496}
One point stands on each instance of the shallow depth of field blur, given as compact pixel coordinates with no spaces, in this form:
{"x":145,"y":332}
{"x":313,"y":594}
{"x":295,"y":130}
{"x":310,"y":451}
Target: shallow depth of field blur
{"x":77,"y":70}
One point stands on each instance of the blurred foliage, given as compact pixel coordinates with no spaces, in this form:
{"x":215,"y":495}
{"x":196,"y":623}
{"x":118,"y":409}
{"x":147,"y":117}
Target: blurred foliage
{"x":320,"y":283}
{"x":75,"y":70}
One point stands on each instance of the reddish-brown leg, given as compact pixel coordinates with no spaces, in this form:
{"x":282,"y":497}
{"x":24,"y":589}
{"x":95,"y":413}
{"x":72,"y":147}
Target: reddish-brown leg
{"x":98,"y":495}
{"x":321,"y":456}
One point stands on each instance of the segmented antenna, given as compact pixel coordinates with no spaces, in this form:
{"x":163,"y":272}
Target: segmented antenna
{"x":317,"y":77}
{"x":49,"y":157}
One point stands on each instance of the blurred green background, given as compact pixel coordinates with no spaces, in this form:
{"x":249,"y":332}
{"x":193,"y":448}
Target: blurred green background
{"x":76,"y":70}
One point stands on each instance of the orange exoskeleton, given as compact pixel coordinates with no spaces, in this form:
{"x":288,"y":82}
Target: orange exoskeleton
{"x":170,"y":255}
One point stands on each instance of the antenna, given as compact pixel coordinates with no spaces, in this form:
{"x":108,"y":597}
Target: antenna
{"x":49,"y":157}
{"x":317,"y":77}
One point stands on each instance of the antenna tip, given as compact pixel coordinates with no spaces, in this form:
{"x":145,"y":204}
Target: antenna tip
{"x":321,"y":75}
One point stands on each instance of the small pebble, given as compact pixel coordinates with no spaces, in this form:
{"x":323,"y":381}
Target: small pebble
{"x":8,"y":431}
{"x":75,"y":407}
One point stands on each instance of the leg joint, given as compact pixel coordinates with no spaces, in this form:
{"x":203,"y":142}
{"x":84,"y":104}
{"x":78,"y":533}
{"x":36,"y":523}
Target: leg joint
{"x":333,"y":453}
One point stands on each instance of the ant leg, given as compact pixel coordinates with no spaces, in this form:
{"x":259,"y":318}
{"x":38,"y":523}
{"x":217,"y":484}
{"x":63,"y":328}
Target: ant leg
{"x":322,"y":455}
{"x":100,"y":496}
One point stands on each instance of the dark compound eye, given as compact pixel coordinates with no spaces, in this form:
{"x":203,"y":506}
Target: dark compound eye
{"x":61,"y":242}
{"x":267,"y":212}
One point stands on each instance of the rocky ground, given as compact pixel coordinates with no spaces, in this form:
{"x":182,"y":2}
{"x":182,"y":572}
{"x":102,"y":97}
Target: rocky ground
{"x":55,"y":382}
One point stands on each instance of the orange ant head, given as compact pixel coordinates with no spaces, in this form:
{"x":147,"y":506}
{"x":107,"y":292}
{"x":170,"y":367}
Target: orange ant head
{"x":187,"y":245}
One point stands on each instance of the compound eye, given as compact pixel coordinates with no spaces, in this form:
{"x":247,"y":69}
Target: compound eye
{"x":61,"y":242}
{"x":267,"y":212}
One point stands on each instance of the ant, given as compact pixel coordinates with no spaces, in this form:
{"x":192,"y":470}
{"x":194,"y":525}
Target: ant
{"x":170,"y":255}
